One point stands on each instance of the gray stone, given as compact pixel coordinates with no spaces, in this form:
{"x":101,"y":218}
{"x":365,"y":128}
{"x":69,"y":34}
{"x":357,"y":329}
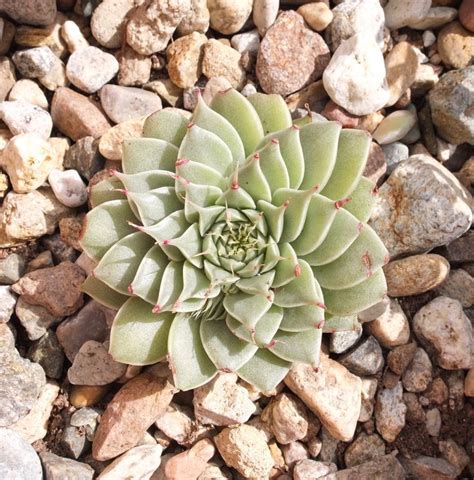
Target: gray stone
{"x":73,"y":442}
{"x":59,"y":468}
{"x":429,"y":468}
{"x":7,"y":336}
{"x":339,"y":342}
{"x":84,"y":157}
{"x":400,"y":13}
{"x":365,"y":359}
{"x":24,"y":117}
{"x":21,"y":382}
{"x":40,"y":12}
{"x":460,"y":286}
{"x":34,"y":62}
{"x":35,"y":319}
{"x":395,"y":153}
{"x":87,"y":418}
{"x":18,"y":460}
{"x":12,"y":268}
{"x":49,"y":354}
{"x":7,"y":303}
{"x":364,"y":448}
{"x":328,"y":447}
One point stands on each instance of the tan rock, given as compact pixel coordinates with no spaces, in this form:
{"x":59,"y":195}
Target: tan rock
{"x":129,"y":414}
{"x":184,"y":59}
{"x":227,"y":16}
{"x":245,"y":449}
{"x":419,"y":373}
{"x":214,"y":86}
{"x":60,"y":146}
{"x":29,"y":91}
{"x":469,"y":383}
{"x":76,"y":116}
{"x":167,"y":90}
{"x":110,"y":145}
{"x":86,"y":396}
{"x":456,"y":46}
{"x":7,"y":77}
{"x":317,"y":15}
{"x":294,"y":452}
{"x":8,"y":32}
{"x":313,"y":95}
{"x":332,"y":393}
{"x":454,"y":454}
{"x":56,"y":77}
{"x":196,"y":19}
{"x":72,"y":35}
{"x":134,"y":68}
{"x":400,"y":357}
{"x":70,"y":230}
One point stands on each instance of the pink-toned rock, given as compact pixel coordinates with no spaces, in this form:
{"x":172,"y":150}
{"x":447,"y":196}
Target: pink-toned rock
{"x":76,"y":116}
{"x":400,"y":357}
{"x":376,"y":165}
{"x":332,"y":111}
{"x":466,"y":14}
{"x":419,"y":373}
{"x":46,"y":287}
{"x":332,"y":393}
{"x":134,"y":68}
{"x":130,"y":413}
{"x":294,"y":452}
{"x":469,"y":383}
{"x":285,"y":70}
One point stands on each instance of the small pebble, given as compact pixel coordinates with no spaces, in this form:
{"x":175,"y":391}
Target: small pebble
{"x":247,"y":42}
{"x":317,"y":15}
{"x":390,"y":411}
{"x":56,"y":467}
{"x":72,"y":35}
{"x":429,"y":38}
{"x":48,"y":353}
{"x":23,"y":117}
{"x":7,"y":303}
{"x":419,"y":373}
{"x":400,"y":13}
{"x":12,"y":268}
{"x":365,"y":359}
{"x":394,"y":127}
{"x":68,"y":187}
{"x":456,"y":46}
{"x":134,"y":69}
{"x":29,"y":91}
{"x":227,"y":16}
{"x":86,"y":395}
{"x":264,"y":14}
{"x":395,"y":153}
{"x":433,"y":422}
{"x":7,"y":77}
{"x":34,"y":62}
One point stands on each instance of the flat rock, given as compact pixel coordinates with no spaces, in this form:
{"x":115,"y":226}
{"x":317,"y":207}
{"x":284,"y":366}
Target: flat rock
{"x":19,"y":461}
{"x":390,"y":412}
{"x":339,"y":342}
{"x":111,"y":142}
{"x":245,"y":449}
{"x":365,"y":359}
{"x":421,"y":206}
{"x":23,"y":117}
{"x":76,"y":116}
{"x":400,"y":13}
{"x":364,"y":448}
{"x":222,"y":401}
{"x":456,"y":46}
{"x":444,"y":330}
{"x":90,"y":68}
{"x":451,"y":101}
{"x":283,"y":71}
{"x":392,"y":327}
{"x":355,"y":76}
{"x":129,"y":414}
{"x":419,"y":373}
{"x":21,"y":382}
{"x":332,"y":393}
{"x":59,"y":468}
{"x":93,"y":365}
{"x":429,"y":468}
{"x":227,"y":16}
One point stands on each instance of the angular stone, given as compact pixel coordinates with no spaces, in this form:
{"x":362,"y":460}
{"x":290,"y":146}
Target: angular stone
{"x":332,"y":393}
{"x":365,"y":359}
{"x":364,"y":448}
{"x":460,"y":286}
{"x":419,"y":373}
{"x":7,"y":303}
{"x":282,"y":70}
{"x":34,"y":318}
{"x":110,"y":145}
{"x":456,"y":46}
{"x":196,"y":19}
{"x":84,"y":157}
{"x":429,"y":468}
{"x":390,"y":412}
{"x":59,"y":468}
{"x":12,"y":268}
{"x":130,"y":413}
{"x":34,"y":62}
{"x":453,"y":453}
{"x":310,"y":469}
{"x":134,"y":69}
{"x":28,"y":91}
{"x":48,"y":353}
{"x":340,"y":342}
{"x":400,"y":357}
{"x":392,"y":327}
{"x":24,"y":117}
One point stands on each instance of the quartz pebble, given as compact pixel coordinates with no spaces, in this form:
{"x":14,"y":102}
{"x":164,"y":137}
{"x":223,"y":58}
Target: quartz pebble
{"x":264,"y":14}
{"x":444,"y":330}
{"x":7,"y":303}
{"x":282,"y":70}
{"x":58,"y":468}
{"x":400,"y":13}
{"x":456,"y":46}
{"x":421,"y":206}
{"x":68,"y":187}
{"x":28,"y":91}
{"x":34,"y":62}
{"x":177,"y":423}
{"x":56,"y":77}
{"x":317,"y":15}
{"x":391,"y":328}
{"x":227,"y":16}
{"x":390,"y":411}
{"x":127,"y":103}
{"x":433,"y":422}
{"x":196,"y":19}
{"x":369,"y":388}
{"x":23,"y":117}
{"x":247,"y":42}
{"x":355,"y":76}
{"x":419,"y":373}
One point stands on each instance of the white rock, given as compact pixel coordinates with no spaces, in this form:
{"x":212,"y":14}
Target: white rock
{"x":444,"y":329}
{"x":7,"y":303}
{"x":435,"y":18}
{"x":433,"y":422}
{"x":34,"y":62}
{"x":355,"y":77}
{"x":29,"y":91}
{"x":23,"y":117}
{"x":138,"y":463}
{"x":73,"y":36}
{"x":246,"y":42}
{"x":394,"y":127}
{"x":264,"y":14}
{"x":429,"y":38}
{"x":68,"y":187}
{"x":229,"y":16}
{"x":196,"y":19}
{"x":90,"y":68}
{"x":28,"y":159}
{"x":400,"y":13}
{"x":390,"y":412}
{"x":369,"y":389}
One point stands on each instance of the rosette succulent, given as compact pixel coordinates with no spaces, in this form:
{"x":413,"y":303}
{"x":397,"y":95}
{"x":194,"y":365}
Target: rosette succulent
{"x":233,"y":239}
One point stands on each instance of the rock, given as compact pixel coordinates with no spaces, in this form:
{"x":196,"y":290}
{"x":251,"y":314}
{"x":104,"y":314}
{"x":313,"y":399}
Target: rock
{"x":339,"y":342}
{"x":460,"y":250}
{"x":310,"y":469}
{"x":419,"y":373}
{"x":450,"y":106}
{"x":84,"y":157}
{"x":189,"y":465}
{"x":34,"y":318}
{"x":395,"y":127}
{"x":86,"y":395}
{"x":89,"y":69}
{"x":369,"y":388}
{"x":415,"y":413}
{"x":390,"y":411}
{"x":72,"y":35}
{"x":47,"y":352}
{"x":283,"y":71}
{"x":167,"y":90}
{"x":152,"y":24}
{"x":454,"y":454}
{"x":184,"y":59}
{"x":23,"y":117}
{"x":400,"y":357}
{"x":416,"y":274}
{"x":196,"y":19}
{"x":121,"y":428}
{"x":286,"y":415}
{"x":395,"y":153}
{"x":21,"y":382}
{"x":111,"y":142}
{"x":70,"y":229}
{"x":68,"y":187}
{"x":45,"y":287}
{"x":376,"y":166}
{"x":456,"y":46}
{"x":245,"y":449}
{"x":76,"y":116}
{"x":73,"y":442}
{"x":466,"y":15}
{"x":220,"y":60}
{"x":7,"y":77}
{"x":373,"y":312}
{"x":421,"y":206}
{"x":437,"y":393}
{"x":12,"y":268}
{"x":400,"y":13}
{"x":28,"y":91}
{"x":332,"y":393}
{"x":469,"y":383}
{"x":7,"y":30}
{"x":214,"y":86}
{"x":247,"y":42}
{"x":391,"y":328}
{"x":177,"y":423}
{"x":444,"y":329}
{"x":317,"y":15}
{"x":19,"y":460}
{"x":56,"y":77}
{"x":433,"y":422}
{"x":355,"y":76}
{"x":351,"y":17}
{"x":58,"y":468}
{"x":34,"y":426}
{"x":34,"y":62}
{"x":22,"y":11}
{"x":429,"y":38}
{"x":435,"y":18}
{"x":264,"y":14}
{"x":365,"y":359}
{"x":139,"y":462}
{"x":460,"y":286}
{"x":93,"y":365}
{"x":332,"y":111}
{"x":134,"y":69}
{"x":222,"y":401}
{"x":86,"y":417}
{"x":364,"y":448}
{"x":429,"y":468}
{"x":60,"y":251}
{"x":329,"y":446}
{"x":7,"y":336}
{"x":109,"y":20}
{"x":7,"y":303}
{"x":228,"y":17}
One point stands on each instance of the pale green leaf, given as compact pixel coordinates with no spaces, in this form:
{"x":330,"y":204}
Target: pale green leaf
{"x":168,"y":124}
{"x":102,"y":293}
{"x":304,"y":347}
{"x":272,"y":110}
{"x":144,"y":154}
{"x":246,"y":308}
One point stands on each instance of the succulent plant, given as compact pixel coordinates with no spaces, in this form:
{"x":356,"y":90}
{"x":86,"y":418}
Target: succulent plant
{"x":232,"y":240}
